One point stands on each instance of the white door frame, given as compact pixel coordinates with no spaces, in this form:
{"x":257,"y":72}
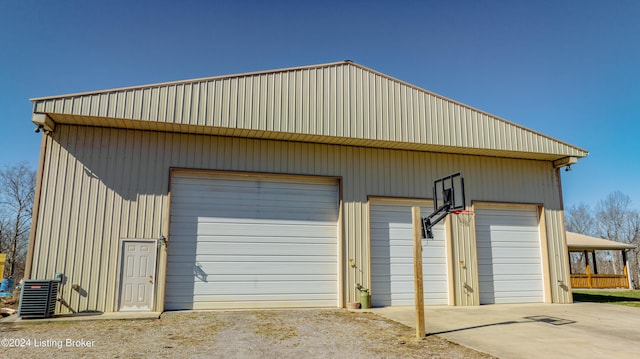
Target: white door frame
{"x":121,"y":264}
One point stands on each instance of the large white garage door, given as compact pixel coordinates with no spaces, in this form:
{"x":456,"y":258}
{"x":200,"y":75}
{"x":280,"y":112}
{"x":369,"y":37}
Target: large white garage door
{"x":509,"y":255}
{"x":252,"y":242}
{"x":392,"y":257}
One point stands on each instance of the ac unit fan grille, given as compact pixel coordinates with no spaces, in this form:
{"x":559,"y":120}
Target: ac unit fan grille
{"x":38,"y":299}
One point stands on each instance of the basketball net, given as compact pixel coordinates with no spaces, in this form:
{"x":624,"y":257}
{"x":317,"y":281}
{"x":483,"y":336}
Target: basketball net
{"x":466,"y":219}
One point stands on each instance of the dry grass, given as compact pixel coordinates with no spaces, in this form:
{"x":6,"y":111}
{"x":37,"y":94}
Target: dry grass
{"x":240,"y":334}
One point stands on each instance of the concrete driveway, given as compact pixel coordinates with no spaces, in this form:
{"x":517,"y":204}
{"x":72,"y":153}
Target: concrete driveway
{"x":580,"y":330}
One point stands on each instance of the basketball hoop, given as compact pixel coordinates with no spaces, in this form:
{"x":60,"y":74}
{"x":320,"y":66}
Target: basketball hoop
{"x":461,"y":211}
{"x":448,"y":197}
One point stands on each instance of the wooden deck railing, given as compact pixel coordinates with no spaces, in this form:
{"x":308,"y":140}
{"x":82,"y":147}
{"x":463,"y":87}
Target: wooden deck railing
{"x":600,"y":280}
{"x":3,"y":257}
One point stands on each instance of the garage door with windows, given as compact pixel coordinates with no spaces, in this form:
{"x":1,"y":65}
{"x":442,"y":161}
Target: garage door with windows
{"x":392,"y":257}
{"x":509,"y":255}
{"x":245,"y":241}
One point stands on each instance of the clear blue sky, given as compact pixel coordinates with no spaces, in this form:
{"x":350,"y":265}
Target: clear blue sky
{"x":568,"y":69}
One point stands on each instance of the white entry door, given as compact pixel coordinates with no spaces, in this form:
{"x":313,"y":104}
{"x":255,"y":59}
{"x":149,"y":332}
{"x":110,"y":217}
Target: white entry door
{"x":137,"y":275}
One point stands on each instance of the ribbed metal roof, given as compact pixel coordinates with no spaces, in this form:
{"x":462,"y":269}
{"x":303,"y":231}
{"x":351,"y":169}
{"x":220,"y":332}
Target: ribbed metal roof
{"x":338,"y":103}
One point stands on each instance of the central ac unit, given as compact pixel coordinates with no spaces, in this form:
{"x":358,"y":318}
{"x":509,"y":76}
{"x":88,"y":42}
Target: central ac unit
{"x":38,"y":299}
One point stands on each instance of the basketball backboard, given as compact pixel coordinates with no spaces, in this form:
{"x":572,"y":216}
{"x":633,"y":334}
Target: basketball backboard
{"x":449,"y":189}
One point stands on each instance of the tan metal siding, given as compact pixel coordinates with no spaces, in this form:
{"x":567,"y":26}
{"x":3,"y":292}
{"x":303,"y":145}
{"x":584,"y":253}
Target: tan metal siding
{"x":100,"y":185}
{"x":558,"y":256}
{"x":465,"y":278}
{"x":343,"y":100}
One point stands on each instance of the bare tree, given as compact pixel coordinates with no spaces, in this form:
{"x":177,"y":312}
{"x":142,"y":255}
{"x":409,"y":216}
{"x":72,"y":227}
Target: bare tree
{"x":617,"y":220}
{"x":17,"y":188}
{"x":579,"y":219}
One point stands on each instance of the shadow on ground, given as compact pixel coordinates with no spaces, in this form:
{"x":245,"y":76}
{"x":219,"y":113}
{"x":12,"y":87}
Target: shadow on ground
{"x":599,"y":298}
{"x":530,"y":319}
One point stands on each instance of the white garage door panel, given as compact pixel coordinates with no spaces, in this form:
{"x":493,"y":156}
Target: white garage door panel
{"x":509,"y":255}
{"x":248,"y":277}
{"x":267,"y":287}
{"x":244,"y":242}
{"x":286,"y":240}
{"x":515,"y":255}
{"x":512,"y":285}
{"x":255,"y":301}
{"x":242,"y":191}
{"x":281,"y":264}
{"x":258,"y":270}
{"x":281,"y":230}
{"x":504,"y":239}
{"x":268,"y":249}
{"x":392,"y":257}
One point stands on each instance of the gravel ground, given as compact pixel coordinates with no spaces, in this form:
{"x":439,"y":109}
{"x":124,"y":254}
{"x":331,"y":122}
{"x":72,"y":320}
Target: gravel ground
{"x":232,"y":334}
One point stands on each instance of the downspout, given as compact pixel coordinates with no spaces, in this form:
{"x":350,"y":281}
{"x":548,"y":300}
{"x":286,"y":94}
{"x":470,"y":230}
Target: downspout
{"x":36,"y":208}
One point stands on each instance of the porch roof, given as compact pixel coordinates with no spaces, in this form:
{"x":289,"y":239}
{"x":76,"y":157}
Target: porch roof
{"x":580,"y":242}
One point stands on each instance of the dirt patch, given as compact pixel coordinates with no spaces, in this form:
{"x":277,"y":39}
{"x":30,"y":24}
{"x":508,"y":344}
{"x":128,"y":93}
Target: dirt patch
{"x":230,"y":334}
{"x":272,"y":325}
